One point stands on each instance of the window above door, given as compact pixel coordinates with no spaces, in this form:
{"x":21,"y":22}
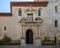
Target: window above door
{"x":20,"y":12}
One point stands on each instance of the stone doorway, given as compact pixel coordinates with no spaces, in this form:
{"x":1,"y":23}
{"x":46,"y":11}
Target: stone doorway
{"x":29,"y":36}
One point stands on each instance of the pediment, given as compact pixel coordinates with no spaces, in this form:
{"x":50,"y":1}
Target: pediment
{"x":30,"y":10}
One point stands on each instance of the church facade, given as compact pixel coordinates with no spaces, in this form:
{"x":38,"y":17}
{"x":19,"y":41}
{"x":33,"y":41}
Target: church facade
{"x":31,"y":21}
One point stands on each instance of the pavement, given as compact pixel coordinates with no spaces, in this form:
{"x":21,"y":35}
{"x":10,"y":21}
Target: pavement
{"x":28,"y":46}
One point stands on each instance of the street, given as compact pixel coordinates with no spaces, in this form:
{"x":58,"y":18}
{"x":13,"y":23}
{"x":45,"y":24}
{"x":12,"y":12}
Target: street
{"x":29,"y":46}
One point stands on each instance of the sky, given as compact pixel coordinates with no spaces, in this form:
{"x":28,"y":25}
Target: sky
{"x":5,"y":5}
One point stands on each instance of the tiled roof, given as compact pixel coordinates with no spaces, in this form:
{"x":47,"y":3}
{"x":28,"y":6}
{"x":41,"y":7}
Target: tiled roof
{"x":42,"y":4}
{"x":5,"y":14}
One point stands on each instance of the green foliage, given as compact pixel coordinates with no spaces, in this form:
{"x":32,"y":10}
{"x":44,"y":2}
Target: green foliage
{"x":47,"y":41}
{"x":59,"y":41}
{"x":7,"y":41}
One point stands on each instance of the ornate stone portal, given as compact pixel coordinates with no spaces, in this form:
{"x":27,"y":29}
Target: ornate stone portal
{"x":27,"y":23}
{"x":34,"y":26}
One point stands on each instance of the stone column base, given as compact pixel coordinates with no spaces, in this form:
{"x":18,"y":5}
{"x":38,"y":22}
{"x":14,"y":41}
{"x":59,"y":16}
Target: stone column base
{"x":23,"y":42}
{"x":38,"y":41}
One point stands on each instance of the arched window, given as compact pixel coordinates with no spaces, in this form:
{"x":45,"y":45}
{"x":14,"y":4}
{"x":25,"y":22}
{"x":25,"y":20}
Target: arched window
{"x":56,"y":23}
{"x":20,"y":13}
{"x":39,"y":12}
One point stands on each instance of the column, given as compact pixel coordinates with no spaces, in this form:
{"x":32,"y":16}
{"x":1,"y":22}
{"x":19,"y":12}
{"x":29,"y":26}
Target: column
{"x":23,"y":41}
{"x":39,"y":30}
{"x":22,"y":30}
{"x":38,"y":39}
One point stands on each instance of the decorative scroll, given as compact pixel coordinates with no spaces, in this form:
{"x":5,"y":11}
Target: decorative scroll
{"x":39,"y":19}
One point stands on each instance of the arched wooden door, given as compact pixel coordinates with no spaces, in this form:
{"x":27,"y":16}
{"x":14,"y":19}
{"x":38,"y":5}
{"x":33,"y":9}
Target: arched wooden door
{"x":29,"y":36}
